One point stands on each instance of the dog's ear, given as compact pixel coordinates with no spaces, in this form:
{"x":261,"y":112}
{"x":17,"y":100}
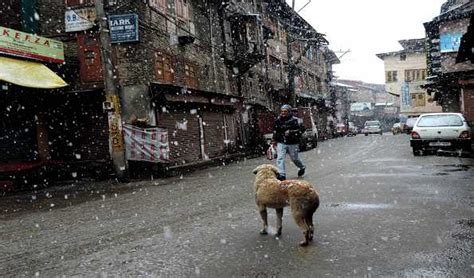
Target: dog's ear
{"x":275,"y":169}
{"x":255,"y":171}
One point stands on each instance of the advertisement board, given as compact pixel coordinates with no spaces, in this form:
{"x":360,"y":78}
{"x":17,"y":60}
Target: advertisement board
{"x":27,"y":45}
{"x":450,"y":42}
{"x":123,"y":28}
{"x":405,"y":97}
{"x":79,"y":19}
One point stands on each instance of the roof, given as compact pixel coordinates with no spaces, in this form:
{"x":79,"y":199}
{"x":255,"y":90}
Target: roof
{"x":409,"y":46}
{"x":331,"y":56}
{"x":341,"y":85}
{"x":452,"y":13}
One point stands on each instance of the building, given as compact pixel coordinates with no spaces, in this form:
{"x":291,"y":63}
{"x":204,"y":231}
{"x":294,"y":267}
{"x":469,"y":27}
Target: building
{"x":405,"y":73}
{"x":210,"y":75}
{"x":450,"y":41}
{"x":370,"y":102}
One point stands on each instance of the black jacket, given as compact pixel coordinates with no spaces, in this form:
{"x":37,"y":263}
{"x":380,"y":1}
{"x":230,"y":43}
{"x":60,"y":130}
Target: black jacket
{"x":292,"y":125}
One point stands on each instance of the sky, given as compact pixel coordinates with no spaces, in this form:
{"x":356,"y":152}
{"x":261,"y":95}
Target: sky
{"x":367,"y":27}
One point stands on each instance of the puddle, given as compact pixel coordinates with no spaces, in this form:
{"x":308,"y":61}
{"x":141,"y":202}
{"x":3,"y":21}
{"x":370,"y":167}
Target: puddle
{"x":359,"y":206}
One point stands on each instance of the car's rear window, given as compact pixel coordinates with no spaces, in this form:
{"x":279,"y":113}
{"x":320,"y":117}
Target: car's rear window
{"x":374,"y":123}
{"x":440,"y":120}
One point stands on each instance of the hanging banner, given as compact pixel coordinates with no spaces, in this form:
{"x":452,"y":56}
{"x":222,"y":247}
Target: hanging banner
{"x":146,"y":144}
{"x":405,"y":98}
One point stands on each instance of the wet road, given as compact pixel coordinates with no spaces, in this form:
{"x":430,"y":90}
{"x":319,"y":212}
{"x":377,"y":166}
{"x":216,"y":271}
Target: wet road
{"x":383,"y":213}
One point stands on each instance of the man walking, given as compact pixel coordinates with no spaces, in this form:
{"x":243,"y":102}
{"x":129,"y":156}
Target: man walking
{"x":287,"y":135}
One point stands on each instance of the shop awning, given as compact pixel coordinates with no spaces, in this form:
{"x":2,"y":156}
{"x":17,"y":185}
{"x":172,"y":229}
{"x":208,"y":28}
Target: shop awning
{"x":29,"y":74}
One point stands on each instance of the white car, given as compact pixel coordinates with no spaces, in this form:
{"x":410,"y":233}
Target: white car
{"x":372,"y":127}
{"x":436,"y":131}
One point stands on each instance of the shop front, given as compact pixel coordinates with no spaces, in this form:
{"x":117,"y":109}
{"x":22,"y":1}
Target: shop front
{"x":200,"y":125}
{"x":24,"y":144}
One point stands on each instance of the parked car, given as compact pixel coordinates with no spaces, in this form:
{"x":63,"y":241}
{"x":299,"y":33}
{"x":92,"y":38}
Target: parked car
{"x":309,"y":138}
{"x":396,"y":128}
{"x":435,"y":131}
{"x":408,"y":127}
{"x":353,"y":129}
{"x":372,"y":127}
{"x":341,"y":129}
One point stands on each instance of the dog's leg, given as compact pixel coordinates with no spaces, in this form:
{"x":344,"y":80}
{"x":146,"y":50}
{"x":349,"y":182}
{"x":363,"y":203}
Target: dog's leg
{"x":263,"y":214}
{"x":309,"y":216}
{"x":279,"y":213}
{"x":298,"y":213}
{"x":309,"y":220}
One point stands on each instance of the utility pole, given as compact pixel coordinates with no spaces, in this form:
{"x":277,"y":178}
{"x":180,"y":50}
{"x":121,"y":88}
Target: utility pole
{"x":112,"y":104}
{"x":291,"y":66}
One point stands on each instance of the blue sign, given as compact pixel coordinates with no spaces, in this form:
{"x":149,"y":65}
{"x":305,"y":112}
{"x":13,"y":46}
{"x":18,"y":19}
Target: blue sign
{"x":450,"y":42}
{"x":123,"y":28}
{"x":406,"y":98}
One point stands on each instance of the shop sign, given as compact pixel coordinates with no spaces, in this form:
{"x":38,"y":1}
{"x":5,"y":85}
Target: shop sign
{"x":79,"y":19}
{"x":27,"y":45}
{"x":405,"y":97}
{"x":123,"y":28}
{"x":146,"y":144}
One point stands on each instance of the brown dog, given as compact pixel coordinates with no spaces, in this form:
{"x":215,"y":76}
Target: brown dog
{"x":272,"y":193}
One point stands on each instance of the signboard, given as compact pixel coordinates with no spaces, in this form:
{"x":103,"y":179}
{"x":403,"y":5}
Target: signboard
{"x":405,"y":97}
{"x":123,"y":28}
{"x":146,"y":144}
{"x":79,"y":19}
{"x":27,"y":45}
{"x":361,"y":106}
{"x":450,"y":42}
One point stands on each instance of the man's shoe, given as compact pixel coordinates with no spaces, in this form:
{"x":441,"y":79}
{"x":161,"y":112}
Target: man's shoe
{"x":301,"y":172}
{"x":281,"y":177}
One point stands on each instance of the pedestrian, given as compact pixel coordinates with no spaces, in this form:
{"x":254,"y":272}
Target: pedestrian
{"x":286,"y":135}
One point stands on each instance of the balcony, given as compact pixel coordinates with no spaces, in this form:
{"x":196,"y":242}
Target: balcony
{"x":247,"y":44}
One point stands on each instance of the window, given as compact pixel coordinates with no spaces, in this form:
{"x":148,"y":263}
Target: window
{"x":182,"y":10}
{"x":409,"y":75}
{"x":391,"y":76}
{"x":415,"y":75}
{"x":164,"y":67}
{"x":190,"y":71}
{"x":160,"y":5}
{"x":440,"y":120}
{"x":403,"y":56}
{"x":418,"y":100}
{"x":274,"y":63}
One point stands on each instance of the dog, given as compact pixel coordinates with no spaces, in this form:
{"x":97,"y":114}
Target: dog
{"x":300,"y":195}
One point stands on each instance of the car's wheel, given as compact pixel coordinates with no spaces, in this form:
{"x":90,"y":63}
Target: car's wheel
{"x":366,"y":134}
{"x":416,"y":152}
{"x":381,"y":133}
